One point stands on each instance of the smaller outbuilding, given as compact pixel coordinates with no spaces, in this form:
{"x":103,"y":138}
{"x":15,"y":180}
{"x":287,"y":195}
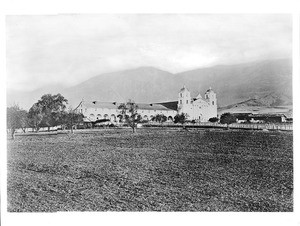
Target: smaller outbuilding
{"x":267,"y":118}
{"x":242,"y":117}
{"x":260,"y":118}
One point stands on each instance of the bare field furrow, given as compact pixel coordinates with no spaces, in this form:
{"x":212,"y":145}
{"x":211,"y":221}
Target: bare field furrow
{"x":151,"y":170}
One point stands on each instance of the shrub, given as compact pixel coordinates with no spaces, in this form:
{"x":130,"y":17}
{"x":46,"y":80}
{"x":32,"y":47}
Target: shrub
{"x":214,"y":119}
{"x":227,"y":118}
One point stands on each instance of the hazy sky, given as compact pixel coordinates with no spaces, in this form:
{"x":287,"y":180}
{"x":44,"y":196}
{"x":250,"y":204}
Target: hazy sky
{"x":68,"y":49}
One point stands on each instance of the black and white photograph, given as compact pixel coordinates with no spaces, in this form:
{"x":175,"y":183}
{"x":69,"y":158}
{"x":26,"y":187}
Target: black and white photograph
{"x":149,"y":113}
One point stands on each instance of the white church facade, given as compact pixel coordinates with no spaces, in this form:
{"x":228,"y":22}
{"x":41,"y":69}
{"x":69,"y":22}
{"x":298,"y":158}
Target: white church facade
{"x":198,"y":108}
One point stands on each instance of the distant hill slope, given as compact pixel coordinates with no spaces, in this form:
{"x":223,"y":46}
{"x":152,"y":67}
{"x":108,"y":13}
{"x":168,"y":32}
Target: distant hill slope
{"x":144,"y":84}
{"x":269,"y":100}
{"x":232,"y":83}
{"x":236,"y":83}
{"x":271,"y":103}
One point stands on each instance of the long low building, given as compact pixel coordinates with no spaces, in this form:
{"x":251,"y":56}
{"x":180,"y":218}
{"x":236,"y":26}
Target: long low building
{"x":196,"y":108}
{"x":96,"y":110}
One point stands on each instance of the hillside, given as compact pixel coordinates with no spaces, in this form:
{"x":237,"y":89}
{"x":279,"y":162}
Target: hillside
{"x":269,"y":100}
{"x":271,"y":103}
{"x":232,"y":83}
{"x":237,"y":83}
{"x":144,"y":84}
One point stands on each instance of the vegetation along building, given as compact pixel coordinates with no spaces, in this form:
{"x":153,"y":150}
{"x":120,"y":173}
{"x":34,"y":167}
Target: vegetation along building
{"x":198,"y":108}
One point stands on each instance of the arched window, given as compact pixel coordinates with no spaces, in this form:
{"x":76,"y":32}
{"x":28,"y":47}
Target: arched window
{"x":213,"y":102}
{"x":92,"y":116}
{"x":180,"y":101}
{"x":170,"y":118}
{"x":113,"y":118}
{"x":187,"y":101}
{"x":120,"y":117}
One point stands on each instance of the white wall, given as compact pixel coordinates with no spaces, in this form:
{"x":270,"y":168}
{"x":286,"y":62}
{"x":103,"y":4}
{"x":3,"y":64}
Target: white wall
{"x":87,"y":112}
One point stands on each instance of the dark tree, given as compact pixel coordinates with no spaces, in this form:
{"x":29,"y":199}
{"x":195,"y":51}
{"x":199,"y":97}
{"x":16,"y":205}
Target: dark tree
{"x":71,"y":119}
{"x":161,"y":118}
{"x":16,"y":119}
{"x":129,"y":112}
{"x":214,"y":119}
{"x":228,"y":119}
{"x":35,"y":116}
{"x":52,"y":108}
{"x":181,"y":118}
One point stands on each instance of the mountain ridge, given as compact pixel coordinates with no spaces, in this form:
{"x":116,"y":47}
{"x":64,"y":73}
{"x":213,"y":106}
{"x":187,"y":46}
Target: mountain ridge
{"x":232,"y":83}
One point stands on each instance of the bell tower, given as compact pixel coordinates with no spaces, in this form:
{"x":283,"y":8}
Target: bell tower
{"x":211,"y":98}
{"x":184,"y":100}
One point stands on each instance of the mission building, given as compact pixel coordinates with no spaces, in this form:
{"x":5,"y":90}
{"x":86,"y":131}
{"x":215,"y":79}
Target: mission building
{"x":198,"y":108}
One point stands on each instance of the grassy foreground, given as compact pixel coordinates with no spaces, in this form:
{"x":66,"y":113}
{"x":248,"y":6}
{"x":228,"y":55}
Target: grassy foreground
{"x":152,"y":170}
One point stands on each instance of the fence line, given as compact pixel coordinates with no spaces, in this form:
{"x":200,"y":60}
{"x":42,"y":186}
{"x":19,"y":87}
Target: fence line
{"x":253,"y":126}
{"x":41,"y":129}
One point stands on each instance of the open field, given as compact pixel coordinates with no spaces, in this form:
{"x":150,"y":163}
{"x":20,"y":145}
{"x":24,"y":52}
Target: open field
{"x":152,"y":170}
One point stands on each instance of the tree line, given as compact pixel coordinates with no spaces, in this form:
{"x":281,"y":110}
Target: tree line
{"x":49,"y":111}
